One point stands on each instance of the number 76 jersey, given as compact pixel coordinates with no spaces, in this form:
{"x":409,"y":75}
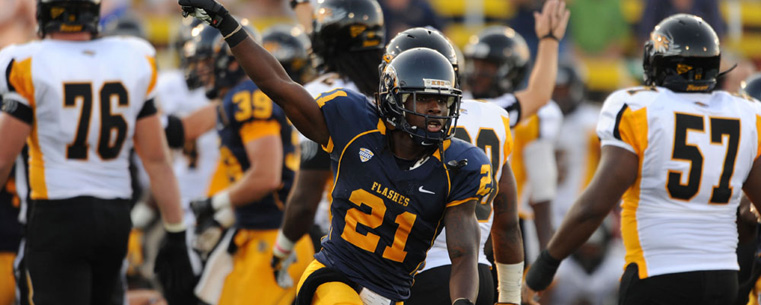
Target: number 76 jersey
{"x":695,"y":152}
{"x":82,"y":100}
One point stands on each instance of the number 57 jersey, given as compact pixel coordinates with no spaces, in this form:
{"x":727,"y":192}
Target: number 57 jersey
{"x":695,"y":152}
{"x":82,"y":100}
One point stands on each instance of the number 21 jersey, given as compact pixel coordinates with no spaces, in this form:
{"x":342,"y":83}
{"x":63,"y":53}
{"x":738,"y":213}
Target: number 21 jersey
{"x":386,"y":216}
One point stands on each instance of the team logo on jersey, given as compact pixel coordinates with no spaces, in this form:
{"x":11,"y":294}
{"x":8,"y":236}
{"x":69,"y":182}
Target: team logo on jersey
{"x":365,"y":154}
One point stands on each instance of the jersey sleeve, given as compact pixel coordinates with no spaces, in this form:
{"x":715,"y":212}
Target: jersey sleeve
{"x":16,"y":87}
{"x":254,"y":114}
{"x":621,"y":125}
{"x":510,"y":103}
{"x":347,"y":114}
{"x":473,"y":181}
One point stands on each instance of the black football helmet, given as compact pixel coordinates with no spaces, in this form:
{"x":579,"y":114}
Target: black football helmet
{"x":224,"y":75}
{"x":348,"y":39}
{"x":350,"y":25}
{"x":503,"y":47}
{"x":412,"y":73}
{"x":420,"y":38}
{"x":682,"y":54}
{"x":752,"y":86}
{"x":67,"y":16}
{"x":196,"y":53}
{"x":570,"y":88}
{"x":291,"y":46}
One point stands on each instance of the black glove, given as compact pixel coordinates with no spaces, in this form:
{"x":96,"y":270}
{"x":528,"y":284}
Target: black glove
{"x":209,"y":11}
{"x":462,"y":301}
{"x":203,"y":212}
{"x":540,"y":274}
{"x":174,"y":271}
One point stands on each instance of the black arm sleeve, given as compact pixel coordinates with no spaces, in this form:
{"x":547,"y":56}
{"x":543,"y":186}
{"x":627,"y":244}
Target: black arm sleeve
{"x":175,"y":133}
{"x":149,"y":108}
{"x":17,"y":110}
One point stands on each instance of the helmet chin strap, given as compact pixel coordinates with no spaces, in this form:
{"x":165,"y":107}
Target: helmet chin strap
{"x":721,"y":74}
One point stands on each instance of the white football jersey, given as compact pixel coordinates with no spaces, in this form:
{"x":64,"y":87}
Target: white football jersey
{"x":487,"y":126}
{"x":507,"y":101}
{"x":195,"y":165}
{"x":695,"y":152}
{"x":578,"y":151}
{"x":85,"y":98}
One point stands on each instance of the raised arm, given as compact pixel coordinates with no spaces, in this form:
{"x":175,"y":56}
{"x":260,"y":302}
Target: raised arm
{"x":263,"y":69}
{"x":462,"y":244}
{"x":551,"y":24}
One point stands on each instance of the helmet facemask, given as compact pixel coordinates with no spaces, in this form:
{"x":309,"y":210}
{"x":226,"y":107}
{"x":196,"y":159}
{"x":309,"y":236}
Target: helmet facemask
{"x":398,"y":106}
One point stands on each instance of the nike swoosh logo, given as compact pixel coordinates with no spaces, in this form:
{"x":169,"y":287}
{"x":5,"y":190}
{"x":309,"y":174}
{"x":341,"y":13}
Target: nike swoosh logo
{"x":422,"y":190}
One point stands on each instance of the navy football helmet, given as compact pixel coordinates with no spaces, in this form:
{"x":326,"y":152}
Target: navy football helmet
{"x":410,"y":75}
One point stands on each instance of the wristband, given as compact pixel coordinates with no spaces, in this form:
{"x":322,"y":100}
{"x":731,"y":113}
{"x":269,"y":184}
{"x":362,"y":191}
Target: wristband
{"x":175,"y":227}
{"x":509,"y":277}
{"x":549,"y":36}
{"x":225,"y":217}
{"x":221,"y":200}
{"x":283,"y":246}
{"x":541,"y":273}
{"x":295,"y":3}
{"x":231,"y":30}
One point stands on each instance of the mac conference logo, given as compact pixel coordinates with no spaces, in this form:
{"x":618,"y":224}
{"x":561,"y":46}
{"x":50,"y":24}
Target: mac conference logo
{"x":365,"y":154}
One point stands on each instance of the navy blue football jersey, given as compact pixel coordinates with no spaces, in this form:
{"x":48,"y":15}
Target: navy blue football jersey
{"x":385,"y":217}
{"x":247,"y":114}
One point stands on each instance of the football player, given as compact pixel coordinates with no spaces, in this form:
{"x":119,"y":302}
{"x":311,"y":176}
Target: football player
{"x":258,"y":148}
{"x":398,"y":179}
{"x":81,"y":103}
{"x":577,"y":148}
{"x":350,"y":50}
{"x":679,"y":152}
{"x":497,"y":60}
{"x":487,"y":126}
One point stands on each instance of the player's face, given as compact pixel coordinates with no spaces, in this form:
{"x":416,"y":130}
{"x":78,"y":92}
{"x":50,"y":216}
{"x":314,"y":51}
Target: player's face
{"x":204,"y":71}
{"x":482,"y":78}
{"x":428,"y":104}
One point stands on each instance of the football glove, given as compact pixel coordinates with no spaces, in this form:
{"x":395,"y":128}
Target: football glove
{"x":282,"y":258}
{"x":280,"y":267}
{"x":203,"y":210}
{"x":209,"y":11}
{"x":462,"y":301}
{"x":173,"y":269}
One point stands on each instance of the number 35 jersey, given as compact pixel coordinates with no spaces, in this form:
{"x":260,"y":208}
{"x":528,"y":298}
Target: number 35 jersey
{"x":695,"y":152}
{"x":385,"y":216}
{"x":82,"y":100}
